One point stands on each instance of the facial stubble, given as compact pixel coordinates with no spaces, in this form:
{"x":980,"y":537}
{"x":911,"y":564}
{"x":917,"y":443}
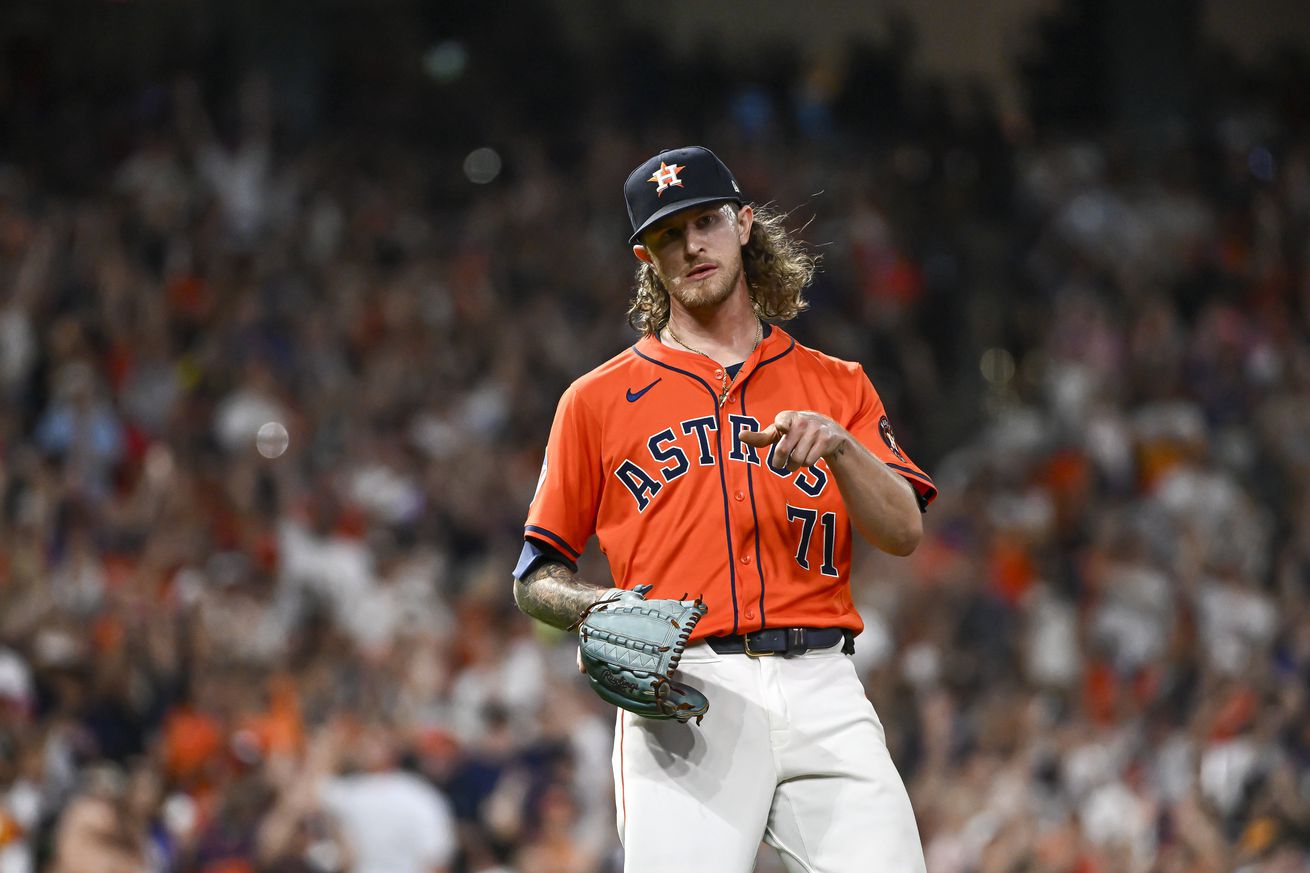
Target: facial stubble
{"x":708,"y":292}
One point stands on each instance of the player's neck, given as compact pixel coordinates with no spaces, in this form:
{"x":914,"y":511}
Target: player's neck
{"x":728,"y":332}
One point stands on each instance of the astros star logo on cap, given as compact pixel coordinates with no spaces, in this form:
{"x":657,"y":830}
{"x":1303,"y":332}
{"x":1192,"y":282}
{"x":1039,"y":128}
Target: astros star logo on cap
{"x":666,"y":177}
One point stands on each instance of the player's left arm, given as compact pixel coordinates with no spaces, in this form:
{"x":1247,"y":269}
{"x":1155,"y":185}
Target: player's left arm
{"x":882,"y":505}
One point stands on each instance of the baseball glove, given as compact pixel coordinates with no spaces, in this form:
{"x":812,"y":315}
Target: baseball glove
{"x":629,"y":645}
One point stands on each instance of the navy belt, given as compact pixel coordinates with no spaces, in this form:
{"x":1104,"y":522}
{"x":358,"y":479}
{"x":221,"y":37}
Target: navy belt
{"x":783,"y":641}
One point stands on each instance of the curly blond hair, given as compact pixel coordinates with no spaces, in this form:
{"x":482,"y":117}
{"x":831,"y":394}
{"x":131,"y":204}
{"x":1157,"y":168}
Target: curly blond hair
{"x":777,"y":267}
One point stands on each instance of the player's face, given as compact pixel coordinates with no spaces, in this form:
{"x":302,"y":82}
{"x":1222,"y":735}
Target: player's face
{"x":697,"y":252}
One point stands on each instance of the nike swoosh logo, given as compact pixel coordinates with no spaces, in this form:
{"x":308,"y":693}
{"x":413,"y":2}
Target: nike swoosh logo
{"x":633,"y":397}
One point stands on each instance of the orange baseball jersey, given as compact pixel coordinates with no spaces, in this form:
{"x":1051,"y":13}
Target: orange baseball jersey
{"x":642,"y":454}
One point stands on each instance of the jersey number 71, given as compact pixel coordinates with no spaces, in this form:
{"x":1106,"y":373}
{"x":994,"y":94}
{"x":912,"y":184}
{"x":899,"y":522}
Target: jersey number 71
{"x":807,"y":518}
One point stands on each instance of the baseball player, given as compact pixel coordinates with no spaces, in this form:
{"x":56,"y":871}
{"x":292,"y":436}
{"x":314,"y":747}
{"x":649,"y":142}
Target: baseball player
{"x":719,"y":458}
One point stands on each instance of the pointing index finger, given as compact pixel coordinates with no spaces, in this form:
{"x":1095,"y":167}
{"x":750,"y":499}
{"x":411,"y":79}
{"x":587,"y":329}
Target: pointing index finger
{"x":760,"y":438}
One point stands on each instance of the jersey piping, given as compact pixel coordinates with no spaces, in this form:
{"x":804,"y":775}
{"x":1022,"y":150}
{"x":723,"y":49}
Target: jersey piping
{"x":750,"y":487}
{"x":554,"y":538}
{"x":750,"y":484}
{"x":723,"y":477}
{"x":913,"y":474}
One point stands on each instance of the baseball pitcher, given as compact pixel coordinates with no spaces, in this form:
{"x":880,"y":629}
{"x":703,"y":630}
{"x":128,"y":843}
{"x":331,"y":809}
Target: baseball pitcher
{"x":722,"y":467}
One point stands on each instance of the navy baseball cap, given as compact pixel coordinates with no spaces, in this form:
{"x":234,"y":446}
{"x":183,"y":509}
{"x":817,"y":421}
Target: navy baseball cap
{"x":676,"y":179}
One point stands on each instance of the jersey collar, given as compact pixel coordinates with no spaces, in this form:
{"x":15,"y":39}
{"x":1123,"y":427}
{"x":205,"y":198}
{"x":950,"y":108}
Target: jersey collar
{"x":776,"y":342}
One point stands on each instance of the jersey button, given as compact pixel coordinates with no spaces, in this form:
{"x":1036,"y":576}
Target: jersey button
{"x":732,"y":398}
{"x":750,"y":615}
{"x":718,"y":374}
{"x":745,"y":559}
{"x":740,"y":495}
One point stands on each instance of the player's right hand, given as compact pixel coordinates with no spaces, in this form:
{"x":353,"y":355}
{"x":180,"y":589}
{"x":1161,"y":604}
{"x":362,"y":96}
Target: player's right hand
{"x":802,"y":439}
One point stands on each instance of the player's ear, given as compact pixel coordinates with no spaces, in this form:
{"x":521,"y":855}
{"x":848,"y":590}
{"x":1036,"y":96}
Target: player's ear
{"x":641,"y":254}
{"x":745,"y":220}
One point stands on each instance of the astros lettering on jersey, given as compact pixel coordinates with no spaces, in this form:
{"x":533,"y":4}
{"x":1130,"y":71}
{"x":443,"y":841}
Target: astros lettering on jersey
{"x":640,"y":448}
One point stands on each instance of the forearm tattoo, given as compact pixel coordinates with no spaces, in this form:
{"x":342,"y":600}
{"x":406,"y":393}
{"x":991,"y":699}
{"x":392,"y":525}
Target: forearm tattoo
{"x":554,"y":594}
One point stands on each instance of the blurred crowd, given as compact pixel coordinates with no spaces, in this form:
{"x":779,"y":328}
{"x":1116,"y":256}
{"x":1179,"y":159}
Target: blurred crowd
{"x":222,"y":651}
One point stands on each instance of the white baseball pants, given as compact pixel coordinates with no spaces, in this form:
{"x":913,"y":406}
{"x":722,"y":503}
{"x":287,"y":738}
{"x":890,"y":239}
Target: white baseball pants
{"x":791,"y":751}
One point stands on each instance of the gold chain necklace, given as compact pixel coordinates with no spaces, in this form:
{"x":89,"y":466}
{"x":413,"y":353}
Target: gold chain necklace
{"x":722,"y":371}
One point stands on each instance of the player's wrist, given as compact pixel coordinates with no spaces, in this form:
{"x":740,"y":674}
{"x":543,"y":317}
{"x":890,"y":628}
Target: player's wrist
{"x":841,"y":448}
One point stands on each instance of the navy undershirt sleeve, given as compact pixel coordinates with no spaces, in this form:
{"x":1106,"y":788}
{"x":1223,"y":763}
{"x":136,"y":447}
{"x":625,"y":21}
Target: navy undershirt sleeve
{"x":535,"y":553}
